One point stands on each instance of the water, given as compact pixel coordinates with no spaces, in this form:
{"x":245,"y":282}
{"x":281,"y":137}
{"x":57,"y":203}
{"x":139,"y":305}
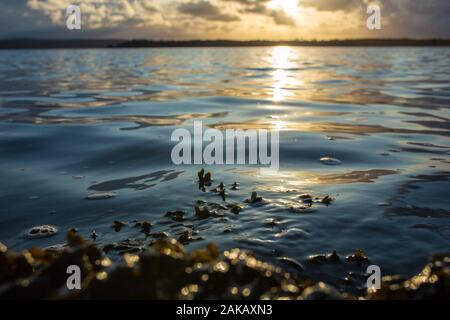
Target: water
{"x":77,"y":121}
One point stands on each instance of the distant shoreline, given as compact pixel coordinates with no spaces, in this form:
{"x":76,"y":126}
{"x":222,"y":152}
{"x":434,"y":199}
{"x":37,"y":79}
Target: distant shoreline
{"x":116,"y":43}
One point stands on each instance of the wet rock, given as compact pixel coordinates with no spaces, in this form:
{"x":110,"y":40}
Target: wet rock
{"x":291,"y":262}
{"x":330,"y":161}
{"x":41,"y":231}
{"x":433,"y":282}
{"x":317,"y":259}
{"x":217,"y":206}
{"x":101,"y":195}
{"x":321,"y":291}
{"x":333,"y":257}
{"x":324,"y":258}
{"x":202,"y":212}
{"x":166,"y":271}
{"x":359,"y":257}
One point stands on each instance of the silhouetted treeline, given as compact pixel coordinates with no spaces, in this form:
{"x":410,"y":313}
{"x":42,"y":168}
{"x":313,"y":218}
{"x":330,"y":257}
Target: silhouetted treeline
{"x":58,"y":43}
{"x":107,"y":43}
{"x":257,"y":43}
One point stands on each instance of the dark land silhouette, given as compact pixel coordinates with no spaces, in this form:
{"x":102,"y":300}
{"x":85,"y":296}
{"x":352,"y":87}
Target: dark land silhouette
{"x":117,"y":43}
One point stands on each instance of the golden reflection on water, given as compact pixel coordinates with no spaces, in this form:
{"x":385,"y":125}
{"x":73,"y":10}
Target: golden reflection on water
{"x":282,"y":59}
{"x":289,"y":179}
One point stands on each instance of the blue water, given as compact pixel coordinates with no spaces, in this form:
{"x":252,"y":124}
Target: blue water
{"x":77,"y":121}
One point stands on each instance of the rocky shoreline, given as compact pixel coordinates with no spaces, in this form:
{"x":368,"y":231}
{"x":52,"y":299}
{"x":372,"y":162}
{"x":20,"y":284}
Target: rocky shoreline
{"x":164,"y":270}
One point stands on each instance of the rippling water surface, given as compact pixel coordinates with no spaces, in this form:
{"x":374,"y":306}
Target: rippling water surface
{"x":78,"y":121}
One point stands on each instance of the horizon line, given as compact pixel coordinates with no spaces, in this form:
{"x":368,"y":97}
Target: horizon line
{"x":80,"y":43}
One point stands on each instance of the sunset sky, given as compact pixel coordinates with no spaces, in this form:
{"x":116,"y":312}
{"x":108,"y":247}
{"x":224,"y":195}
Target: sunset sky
{"x":225,"y":19}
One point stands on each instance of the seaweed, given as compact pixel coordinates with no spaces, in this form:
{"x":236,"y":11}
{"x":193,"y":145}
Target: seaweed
{"x":164,"y":270}
{"x":204,"y":179}
{"x":118,"y":225}
{"x":177,"y":216}
{"x":254,"y":198}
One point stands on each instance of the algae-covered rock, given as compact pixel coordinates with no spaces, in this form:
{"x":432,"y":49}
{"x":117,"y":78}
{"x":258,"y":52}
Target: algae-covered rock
{"x":202,"y":212}
{"x":359,"y":257}
{"x":101,"y":195}
{"x":177,"y":216}
{"x":321,"y":291}
{"x":41,"y":231}
{"x":162,"y":269}
{"x":433,"y":282}
{"x":324,"y":258}
{"x":41,"y":274}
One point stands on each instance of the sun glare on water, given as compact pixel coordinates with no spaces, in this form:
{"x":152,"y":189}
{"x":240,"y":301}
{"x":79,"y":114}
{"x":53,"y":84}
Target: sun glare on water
{"x":282,"y":58}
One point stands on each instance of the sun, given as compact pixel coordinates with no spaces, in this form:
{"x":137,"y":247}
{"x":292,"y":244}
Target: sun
{"x":290,"y":7}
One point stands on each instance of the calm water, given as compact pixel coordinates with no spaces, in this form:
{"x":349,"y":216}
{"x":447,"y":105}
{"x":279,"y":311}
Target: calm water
{"x":77,"y":121}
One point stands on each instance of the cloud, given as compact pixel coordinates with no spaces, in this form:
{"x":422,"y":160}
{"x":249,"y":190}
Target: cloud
{"x":205,"y":10}
{"x":400,"y":18}
{"x":281,"y":18}
{"x":260,"y":7}
{"x":426,"y":18}
{"x":102,"y":13}
{"x":227,"y":19}
{"x":333,"y":5}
